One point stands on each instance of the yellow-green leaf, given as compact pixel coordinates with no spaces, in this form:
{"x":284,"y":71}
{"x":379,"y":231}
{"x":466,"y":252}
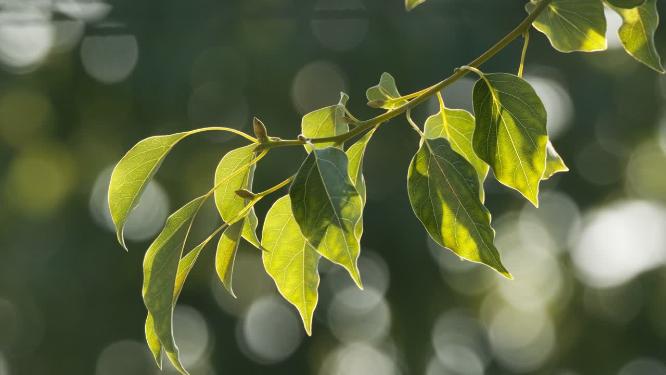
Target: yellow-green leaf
{"x":355,"y":154}
{"x":185,"y":265}
{"x":573,"y":25}
{"x":132,"y":174}
{"x":554,"y":162}
{"x":160,"y":271}
{"x":510,"y":133}
{"x":227,"y":247}
{"x":457,"y":126}
{"x":385,"y":94}
{"x":637,"y":33}
{"x":327,"y":207}
{"x":325,"y":122}
{"x":229,"y":204}
{"x":411,"y":4}
{"x":290,"y":260}
{"x":443,"y":190}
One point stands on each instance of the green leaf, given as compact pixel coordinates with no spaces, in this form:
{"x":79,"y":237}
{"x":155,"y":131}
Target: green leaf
{"x":355,"y":154}
{"x":325,"y":122}
{"x":229,"y":204}
{"x":637,"y":33}
{"x":185,"y":265}
{"x":573,"y":25}
{"x":385,"y":94}
{"x":457,"y":126}
{"x":510,"y":132}
{"x":160,"y":272}
{"x":327,"y":207}
{"x":626,"y":3}
{"x":227,"y":247}
{"x":290,"y":260}
{"x":554,"y":162}
{"x":132,"y":174}
{"x":443,"y":190}
{"x":411,"y":4}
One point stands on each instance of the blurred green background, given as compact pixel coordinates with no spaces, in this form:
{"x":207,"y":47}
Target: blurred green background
{"x":82,"y":81}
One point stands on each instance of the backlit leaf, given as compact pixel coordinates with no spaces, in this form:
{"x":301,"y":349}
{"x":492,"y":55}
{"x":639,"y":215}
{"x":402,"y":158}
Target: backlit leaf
{"x":185,"y":265}
{"x":573,"y":25}
{"x":637,"y":33}
{"x":327,"y":207}
{"x":355,"y":154}
{"x":443,"y":190}
{"x":229,"y":204}
{"x":457,"y":126}
{"x":132,"y":174}
{"x":385,"y":94}
{"x":227,"y":247}
{"x":290,"y":260}
{"x":160,"y":272}
{"x":325,"y":122}
{"x":510,"y":133}
{"x":554,"y":163}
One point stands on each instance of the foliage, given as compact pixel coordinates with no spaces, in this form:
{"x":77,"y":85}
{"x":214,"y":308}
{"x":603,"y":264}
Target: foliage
{"x":322,"y":214}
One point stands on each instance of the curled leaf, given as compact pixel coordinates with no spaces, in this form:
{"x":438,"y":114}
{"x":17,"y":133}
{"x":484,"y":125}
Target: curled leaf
{"x":385,"y":94}
{"x":160,"y":271}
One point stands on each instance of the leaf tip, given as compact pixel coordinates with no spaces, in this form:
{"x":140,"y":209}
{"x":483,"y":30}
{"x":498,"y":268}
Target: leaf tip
{"x":356,"y":276}
{"x":174,"y":358}
{"x":121,"y":239}
{"x":308,"y":327}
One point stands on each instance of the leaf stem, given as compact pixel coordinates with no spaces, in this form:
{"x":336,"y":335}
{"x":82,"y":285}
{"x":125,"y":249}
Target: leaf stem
{"x":523,"y":54}
{"x":225,"y":129}
{"x":424,"y":94}
{"x":276,"y":187}
{"x":411,"y":122}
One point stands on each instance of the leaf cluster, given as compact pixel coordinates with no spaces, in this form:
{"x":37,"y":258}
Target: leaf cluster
{"x":321,"y":213}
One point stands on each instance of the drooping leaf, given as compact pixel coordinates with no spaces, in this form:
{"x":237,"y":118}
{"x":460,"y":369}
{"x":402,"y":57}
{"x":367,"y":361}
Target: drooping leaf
{"x":290,"y":260}
{"x":160,"y":272}
{"x":637,"y":33}
{"x":554,"y":162}
{"x":355,"y":154}
{"x":443,"y":190}
{"x":385,"y":94}
{"x":227,"y":247}
{"x":185,"y":265}
{"x":573,"y":25}
{"x":325,"y":122}
{"x":510,"y":133}
{"x":327,"y":207}
{"x":132,"y":174}
{"x":627,"y":4}
{"x":229,"y":204}
{"x":457,"y":126}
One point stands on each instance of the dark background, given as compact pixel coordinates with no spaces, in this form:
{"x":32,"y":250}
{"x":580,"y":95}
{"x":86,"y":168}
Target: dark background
{"x":81,"y":82}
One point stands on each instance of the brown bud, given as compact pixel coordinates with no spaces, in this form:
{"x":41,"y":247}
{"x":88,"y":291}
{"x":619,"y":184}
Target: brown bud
{"x":260,"y":130}
{"x":246,"y":194}
{"x":376,"y":103}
